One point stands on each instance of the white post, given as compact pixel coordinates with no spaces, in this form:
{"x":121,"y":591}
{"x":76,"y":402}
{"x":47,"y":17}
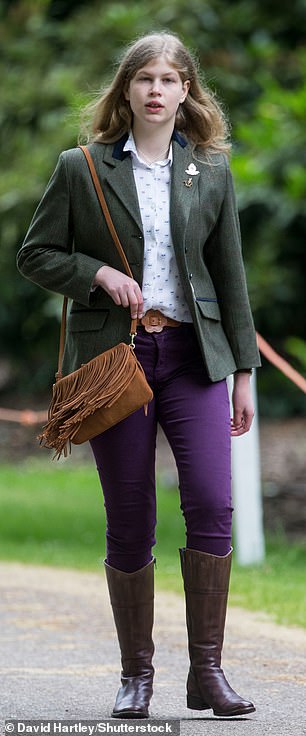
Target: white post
{"x":246,"y":487}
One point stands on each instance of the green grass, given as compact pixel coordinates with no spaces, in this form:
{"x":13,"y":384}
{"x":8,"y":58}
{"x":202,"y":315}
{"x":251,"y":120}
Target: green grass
{"x":53,"y":514}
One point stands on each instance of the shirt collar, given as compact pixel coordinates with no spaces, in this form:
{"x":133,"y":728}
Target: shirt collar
{"x":130,"y":145}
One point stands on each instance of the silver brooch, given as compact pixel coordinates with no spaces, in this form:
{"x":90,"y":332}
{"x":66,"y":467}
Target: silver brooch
{"x":192,"y":170}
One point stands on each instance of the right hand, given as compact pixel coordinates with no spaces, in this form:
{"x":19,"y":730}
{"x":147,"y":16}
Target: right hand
{"x":121,"y":288}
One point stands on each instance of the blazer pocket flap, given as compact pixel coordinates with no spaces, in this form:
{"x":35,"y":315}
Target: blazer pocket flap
{"x":209,"y":309}
{"x":87,"y":321}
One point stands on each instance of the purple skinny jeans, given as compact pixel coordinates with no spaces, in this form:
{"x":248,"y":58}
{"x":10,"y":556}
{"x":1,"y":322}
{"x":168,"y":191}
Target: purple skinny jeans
{"x":195,"y":417}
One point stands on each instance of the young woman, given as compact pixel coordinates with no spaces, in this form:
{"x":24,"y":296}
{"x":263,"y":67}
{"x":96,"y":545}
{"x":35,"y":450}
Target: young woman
{"x":159,"y":143}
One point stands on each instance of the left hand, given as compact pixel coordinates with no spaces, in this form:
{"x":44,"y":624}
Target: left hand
{"x":242,"y":404}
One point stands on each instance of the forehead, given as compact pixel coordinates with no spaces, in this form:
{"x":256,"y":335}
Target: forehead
{"x":160,"y":65}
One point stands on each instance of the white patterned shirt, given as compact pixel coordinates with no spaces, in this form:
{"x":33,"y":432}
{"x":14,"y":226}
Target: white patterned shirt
{"x":161,"y":287}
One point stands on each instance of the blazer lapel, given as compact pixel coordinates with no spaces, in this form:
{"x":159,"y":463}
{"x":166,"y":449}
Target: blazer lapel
{"x":120,"y":179}
{"x":183,"y":188}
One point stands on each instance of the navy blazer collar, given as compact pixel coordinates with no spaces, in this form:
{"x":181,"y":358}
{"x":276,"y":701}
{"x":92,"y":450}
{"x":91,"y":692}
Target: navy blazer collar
{"x":120,"y":178}
{"x":120,"y":154}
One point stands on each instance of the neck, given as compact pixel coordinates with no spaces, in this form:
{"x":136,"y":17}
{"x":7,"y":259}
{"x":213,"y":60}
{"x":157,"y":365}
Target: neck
{"x":152,"y":144}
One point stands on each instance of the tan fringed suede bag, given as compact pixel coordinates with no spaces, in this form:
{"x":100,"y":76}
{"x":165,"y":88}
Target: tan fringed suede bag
{"x":103,"y":391}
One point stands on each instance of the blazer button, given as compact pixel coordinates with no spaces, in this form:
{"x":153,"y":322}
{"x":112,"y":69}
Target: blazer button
{"x":186,"y":249}
{"x":190,"y":276}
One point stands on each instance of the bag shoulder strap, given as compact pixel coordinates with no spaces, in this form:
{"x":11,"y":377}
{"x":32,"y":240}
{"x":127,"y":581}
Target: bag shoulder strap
{"x":105,"y":209}
{"x":120,"y":250}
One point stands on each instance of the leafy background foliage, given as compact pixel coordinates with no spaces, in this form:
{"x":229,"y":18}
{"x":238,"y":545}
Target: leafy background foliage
{"x":56,"y":53}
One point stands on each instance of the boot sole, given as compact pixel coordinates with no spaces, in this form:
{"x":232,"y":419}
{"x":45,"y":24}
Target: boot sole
{"x":129,"y":714}
{"x":195,"y":703}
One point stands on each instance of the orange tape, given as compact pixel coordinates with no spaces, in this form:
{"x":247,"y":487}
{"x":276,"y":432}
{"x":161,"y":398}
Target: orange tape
{"x":29,"y":417}
{"x":280,"y":363}
{"x":26,"y":416}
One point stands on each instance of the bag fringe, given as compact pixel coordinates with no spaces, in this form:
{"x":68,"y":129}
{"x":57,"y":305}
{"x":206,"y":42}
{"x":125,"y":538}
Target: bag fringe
{"x":95,"y":385}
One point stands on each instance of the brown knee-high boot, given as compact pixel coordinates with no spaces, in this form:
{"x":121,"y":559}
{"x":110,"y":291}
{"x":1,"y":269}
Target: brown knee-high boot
{"x":206,"y":582}
{"x":132,"y":599}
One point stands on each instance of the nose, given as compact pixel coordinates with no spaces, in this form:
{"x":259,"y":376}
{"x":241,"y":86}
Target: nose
{"x":155,"y":87}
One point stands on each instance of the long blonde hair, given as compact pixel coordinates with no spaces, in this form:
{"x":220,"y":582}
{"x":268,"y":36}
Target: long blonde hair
{"x":200,"y":118}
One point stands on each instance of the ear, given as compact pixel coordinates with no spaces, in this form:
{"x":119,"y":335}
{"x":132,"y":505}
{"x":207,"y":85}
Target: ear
{"x":186,"y":86}
{"x":126,"y":92}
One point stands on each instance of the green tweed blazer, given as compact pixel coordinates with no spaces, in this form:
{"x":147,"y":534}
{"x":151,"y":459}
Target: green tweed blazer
{"x":68,"y":241}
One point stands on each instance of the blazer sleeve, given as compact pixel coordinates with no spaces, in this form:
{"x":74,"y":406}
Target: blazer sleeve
{"x":46,"y":256}
{"x":225,"y":264}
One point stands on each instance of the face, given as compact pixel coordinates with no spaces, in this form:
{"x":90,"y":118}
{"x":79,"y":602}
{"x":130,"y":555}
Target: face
{"x":155,"y":93}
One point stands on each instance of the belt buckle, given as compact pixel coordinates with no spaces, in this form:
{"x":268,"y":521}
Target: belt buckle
{"x":156,"y":323}
{"x":154,"y":328}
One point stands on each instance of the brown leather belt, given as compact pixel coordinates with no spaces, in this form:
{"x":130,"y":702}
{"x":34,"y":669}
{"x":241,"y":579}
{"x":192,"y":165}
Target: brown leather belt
{"x":154,"y":321}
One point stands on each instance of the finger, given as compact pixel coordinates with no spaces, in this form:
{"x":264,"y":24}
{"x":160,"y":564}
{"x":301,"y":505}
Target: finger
{"x":124,"y":298}
{"x":132,"y":303}
{"x":237,"y":417}
{"x":115,"y":296}
{"x":235,"y":425}
{"x":139,"y":307}
{"x":243,"y":427}
{"x":237,"y":429}
{"x":237,"y":432}
{"x":128,"y":298}
{"x":248,"y":418}
{"x":136,"y":303}
{"x":140,"y":312}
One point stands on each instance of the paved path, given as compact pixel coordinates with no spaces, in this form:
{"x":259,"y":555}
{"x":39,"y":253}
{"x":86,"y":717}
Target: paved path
{"x":59,"y":657}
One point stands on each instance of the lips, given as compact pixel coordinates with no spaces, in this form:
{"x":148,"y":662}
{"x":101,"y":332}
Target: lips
{"x":153,"y":105}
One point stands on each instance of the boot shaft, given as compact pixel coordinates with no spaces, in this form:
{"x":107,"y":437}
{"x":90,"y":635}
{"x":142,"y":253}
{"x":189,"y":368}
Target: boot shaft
{"x":132,"y":601}
{"x":206,"y":583}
